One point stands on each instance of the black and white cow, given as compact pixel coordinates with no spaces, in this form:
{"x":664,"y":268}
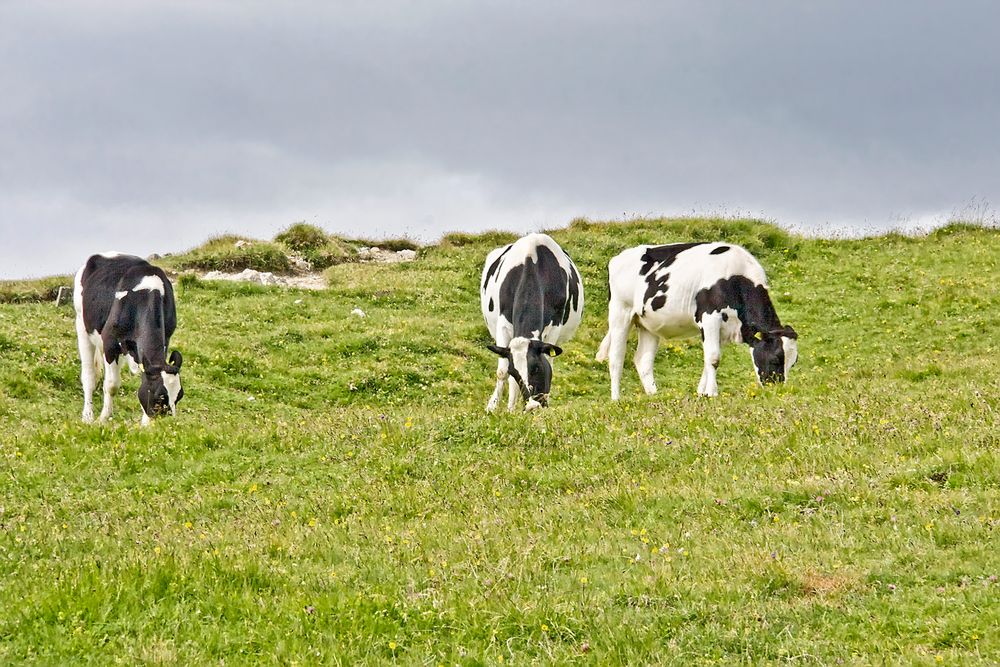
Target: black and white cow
{"x":677,"y":290}
{"x":532,"y":298}
{"x":125,"y":306}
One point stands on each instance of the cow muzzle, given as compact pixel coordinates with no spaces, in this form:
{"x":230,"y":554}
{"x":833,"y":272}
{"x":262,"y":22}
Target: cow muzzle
{"x":537,"y":401}
{"x":772,"y":378}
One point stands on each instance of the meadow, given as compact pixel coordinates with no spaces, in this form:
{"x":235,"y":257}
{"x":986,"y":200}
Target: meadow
{"x":332,"y":492}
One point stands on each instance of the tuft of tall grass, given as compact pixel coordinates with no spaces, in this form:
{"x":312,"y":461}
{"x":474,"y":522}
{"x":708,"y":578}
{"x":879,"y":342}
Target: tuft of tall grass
{"x":232,"y":253}
{"x":29,"y":291}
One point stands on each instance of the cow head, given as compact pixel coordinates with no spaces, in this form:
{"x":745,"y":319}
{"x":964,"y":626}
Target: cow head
{"x":774,"y":353}
{"x":529,"y":366}
{"x":160,"y":390}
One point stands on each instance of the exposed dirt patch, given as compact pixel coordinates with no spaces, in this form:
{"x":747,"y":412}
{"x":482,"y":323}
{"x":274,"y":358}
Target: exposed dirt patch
{"x":825,"y":585}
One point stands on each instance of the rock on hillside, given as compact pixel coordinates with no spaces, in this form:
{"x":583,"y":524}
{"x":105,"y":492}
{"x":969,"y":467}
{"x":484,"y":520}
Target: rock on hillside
{"x":304,"y":281}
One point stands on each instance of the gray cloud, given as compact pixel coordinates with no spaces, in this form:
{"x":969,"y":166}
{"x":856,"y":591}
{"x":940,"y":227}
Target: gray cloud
{"x":146,"y":127}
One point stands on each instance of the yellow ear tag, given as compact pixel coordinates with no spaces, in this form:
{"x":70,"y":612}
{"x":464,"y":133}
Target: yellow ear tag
{"x":552,"y":353}
{"x":757,"y":336}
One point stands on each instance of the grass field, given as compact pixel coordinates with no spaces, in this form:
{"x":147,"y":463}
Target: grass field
{"x":332,"y":491}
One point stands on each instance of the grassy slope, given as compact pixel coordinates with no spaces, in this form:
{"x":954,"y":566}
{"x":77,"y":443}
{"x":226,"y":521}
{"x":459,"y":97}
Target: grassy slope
{"x":362,"y":508}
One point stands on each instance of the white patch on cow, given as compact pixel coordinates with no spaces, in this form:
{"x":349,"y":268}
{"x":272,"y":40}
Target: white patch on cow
{"x":519,"y":357}
{"x":78,"y":292}
{"x":146,"y":421}
{"x":732,"y":328}
{"x":791,"y":348}
{"x":532,"y":404}
{"x":172,"y":382}
{"x":120,"y":295}
{"x":110,"y":254}
{"x":150,"y":283}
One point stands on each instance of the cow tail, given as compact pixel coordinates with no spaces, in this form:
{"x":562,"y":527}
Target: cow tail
{"x":602,"y":351}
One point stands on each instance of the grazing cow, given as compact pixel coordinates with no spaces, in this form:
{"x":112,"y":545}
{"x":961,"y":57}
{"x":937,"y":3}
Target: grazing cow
{"x":125,"y":306}
{"x":532,"y":299}
{"x":677,"y":290}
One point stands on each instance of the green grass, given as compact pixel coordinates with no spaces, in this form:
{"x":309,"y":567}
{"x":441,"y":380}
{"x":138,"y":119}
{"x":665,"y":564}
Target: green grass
{"x":331,"y":491}
{"x":28,"y":291}
{"x":315,"y":245}
{"x":222,"y":254}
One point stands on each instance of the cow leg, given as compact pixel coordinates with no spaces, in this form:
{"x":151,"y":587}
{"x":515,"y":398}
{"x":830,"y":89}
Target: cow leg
{"x":513,"y":391}
{"x":619,"y":323}
{"x":112,"y":380}
{"x":88,"y":368}
{"x":502,"y":340}
{"x":711,"y":329}
{"x":645,"y":353}
{"x":501,"y":378}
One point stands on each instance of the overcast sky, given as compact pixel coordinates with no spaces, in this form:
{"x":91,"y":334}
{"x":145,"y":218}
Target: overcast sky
{"x":149,"y":126}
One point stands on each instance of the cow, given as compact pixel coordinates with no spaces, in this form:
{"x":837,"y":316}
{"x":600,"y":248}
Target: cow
{"x":125,"y":307}
{"x":532,"y":299}
{"x":681,"y":289}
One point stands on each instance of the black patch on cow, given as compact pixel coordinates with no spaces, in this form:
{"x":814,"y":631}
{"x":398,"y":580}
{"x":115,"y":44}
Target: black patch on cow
{"x":656,"y":290}
{"x":725,"y":317}
{"x":718,"y":251}
{"x":495,"y":266}
{"x":491,"y":304}
{"x":141,"y":322}
{"x":663,"y":255}
{"x":759,"y":324}
{"x":750,"y":301}
{"x":654,"y":260}
{"x":535,"y":295}
{"x":573,"y":289}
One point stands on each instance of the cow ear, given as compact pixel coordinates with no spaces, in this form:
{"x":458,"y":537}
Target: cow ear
{"x":502,"y":351}
{"x":175,"y":360}
{"x":551,"y":350}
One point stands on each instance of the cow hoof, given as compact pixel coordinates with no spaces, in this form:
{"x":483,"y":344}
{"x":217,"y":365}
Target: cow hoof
{"x":103,"y":418}
{"x":88,"y":417}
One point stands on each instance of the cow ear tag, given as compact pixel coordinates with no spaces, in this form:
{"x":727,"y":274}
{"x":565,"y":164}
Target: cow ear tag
{"x":552,"y":352}
{"x":758,"y":336}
